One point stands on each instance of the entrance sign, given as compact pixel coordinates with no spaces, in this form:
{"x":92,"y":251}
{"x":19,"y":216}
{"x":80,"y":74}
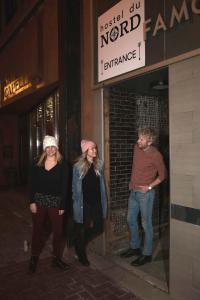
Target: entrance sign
{"x":121,"y":46}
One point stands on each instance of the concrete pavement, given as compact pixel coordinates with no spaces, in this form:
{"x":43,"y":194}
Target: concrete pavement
{"x":47,"y":283}
{"x":106,"y":279}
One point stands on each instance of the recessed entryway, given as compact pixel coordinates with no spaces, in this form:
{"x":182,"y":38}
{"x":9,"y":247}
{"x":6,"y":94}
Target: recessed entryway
{"x":135,"y":103}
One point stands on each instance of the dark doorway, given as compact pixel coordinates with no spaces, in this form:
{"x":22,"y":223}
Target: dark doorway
{"x":137,"y":103}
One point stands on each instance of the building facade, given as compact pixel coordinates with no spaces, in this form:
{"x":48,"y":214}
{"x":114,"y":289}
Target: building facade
{"x":40,"y":87}
{"x":148,"y":79}
{"x":57,"y":77}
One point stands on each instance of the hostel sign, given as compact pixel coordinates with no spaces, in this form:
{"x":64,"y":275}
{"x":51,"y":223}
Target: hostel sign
{"x":121,"y":46}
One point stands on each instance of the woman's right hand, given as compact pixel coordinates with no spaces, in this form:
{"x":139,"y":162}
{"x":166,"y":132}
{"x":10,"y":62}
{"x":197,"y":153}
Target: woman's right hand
{"x":33,"y":208}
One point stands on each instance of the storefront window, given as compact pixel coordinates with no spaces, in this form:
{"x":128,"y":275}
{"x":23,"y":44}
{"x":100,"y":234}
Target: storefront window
{"x":49,"y":115}
{"x":43,"y":121}
{"x":40,"y":128}
{"x":33,"y":145}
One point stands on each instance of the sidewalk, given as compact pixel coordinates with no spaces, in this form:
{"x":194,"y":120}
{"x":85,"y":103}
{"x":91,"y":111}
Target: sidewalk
{"x":106,"y":279}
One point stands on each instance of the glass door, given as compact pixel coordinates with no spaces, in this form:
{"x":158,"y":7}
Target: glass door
{"x":43,"y":121}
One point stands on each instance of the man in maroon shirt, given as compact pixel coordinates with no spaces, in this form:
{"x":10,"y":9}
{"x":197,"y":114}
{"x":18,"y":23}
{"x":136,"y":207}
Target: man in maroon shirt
{"x":148,"y":170}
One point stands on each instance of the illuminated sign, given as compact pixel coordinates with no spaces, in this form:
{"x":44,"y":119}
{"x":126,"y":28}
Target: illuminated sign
{"x":15,"y":87}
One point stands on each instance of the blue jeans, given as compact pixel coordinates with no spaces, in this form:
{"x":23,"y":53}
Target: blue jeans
{"x":142,"y":202}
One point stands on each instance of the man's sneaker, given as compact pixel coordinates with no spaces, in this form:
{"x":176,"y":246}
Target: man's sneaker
{"x":141,"y":260}
{"x":130,"y":252}
{"x":58,"y":263}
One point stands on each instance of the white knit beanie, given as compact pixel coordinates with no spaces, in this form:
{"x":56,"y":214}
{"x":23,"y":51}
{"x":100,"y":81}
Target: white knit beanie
{"x":49,"y":141}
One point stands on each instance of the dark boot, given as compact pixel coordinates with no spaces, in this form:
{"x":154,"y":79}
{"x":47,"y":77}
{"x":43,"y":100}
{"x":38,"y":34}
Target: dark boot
{"x":130,"y":252}
{"x":141,"y":260}
{"x":33,"y":264}
{"x":81,"y":253}
{"x":83,"y":260}
{"x":76,"y":248}
{"x":80,"y":247}
{"x":58,"y":263}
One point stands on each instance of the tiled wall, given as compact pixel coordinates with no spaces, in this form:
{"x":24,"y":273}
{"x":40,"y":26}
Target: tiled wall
{"x":128,"y":112}
{"x":184,"y":108}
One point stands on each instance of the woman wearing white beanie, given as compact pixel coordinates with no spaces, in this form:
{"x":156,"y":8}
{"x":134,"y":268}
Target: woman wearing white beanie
{"x":89,"y":198}
{"x":48,"y":198}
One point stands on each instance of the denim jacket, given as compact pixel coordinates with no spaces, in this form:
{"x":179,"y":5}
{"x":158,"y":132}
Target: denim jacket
{"x":77,"y":194}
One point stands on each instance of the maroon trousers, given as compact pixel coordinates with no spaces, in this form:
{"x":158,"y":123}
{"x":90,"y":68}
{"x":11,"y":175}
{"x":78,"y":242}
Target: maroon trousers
{"x":42,"y":229}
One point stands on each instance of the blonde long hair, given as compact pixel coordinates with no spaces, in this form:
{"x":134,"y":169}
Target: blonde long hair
{"x":83,"y":164}
{"x":42,"y":158}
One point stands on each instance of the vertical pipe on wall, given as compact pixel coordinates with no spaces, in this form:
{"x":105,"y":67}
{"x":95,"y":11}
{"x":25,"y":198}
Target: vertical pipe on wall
{"x":69,"y":77}
{"x":86,"y":69}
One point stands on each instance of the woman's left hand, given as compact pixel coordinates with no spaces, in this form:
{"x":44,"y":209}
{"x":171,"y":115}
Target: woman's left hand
{"x":61,"y":212}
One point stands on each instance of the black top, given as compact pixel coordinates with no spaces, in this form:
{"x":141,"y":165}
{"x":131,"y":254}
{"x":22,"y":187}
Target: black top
{"x":91,"y":188}
{"x":53,"y":182}
{"x":92,"y":208}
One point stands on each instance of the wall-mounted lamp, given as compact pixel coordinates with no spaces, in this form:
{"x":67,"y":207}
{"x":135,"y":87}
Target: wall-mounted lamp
{"x":159,"y":85}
